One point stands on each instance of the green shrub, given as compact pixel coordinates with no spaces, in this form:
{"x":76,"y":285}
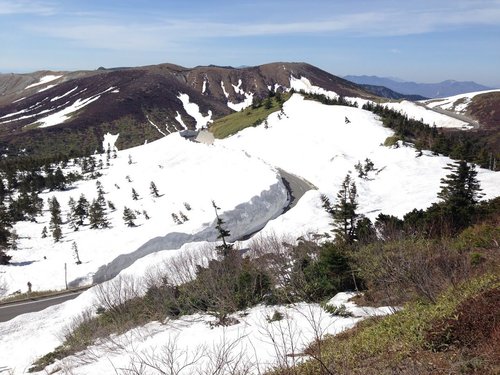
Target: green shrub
{"x":391,"y":141}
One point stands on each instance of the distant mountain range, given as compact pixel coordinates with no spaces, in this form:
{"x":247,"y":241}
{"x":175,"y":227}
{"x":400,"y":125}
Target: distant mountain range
{"x":427,"y":90}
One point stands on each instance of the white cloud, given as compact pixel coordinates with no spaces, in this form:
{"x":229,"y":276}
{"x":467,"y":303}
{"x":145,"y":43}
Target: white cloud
{"x":10,"y":7}
{"x":100,"y":32}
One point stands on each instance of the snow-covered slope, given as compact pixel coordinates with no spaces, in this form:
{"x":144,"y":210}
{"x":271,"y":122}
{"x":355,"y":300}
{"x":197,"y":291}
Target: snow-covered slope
{"x":184,"y":173}
{"x":427,"y":116}
{"x":457,"y":103}
{"x":307,"y":139}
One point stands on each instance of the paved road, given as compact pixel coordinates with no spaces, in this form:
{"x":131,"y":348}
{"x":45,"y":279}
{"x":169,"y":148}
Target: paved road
{"x":458,"y":116}
{"x":296,"y":187}
{"x":11,"y":310}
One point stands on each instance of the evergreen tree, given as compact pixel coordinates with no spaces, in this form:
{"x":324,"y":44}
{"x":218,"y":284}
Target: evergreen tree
{"x":4,"y":258}
{"x":225,"y":249}
{"x":57,"y":233}
{"x":146,"y":215}
{"x":44,"y":232}
{"x":344,"y":211}
{"x":176,"y":219}
{"x":183,"y":217}
{"x":154,"y":190}
{"x":55,"y":212}
{"x":97,"y":216}
{"x":111,"y":206}
{"x":74,"y":248}
{"x":460,"y":193}
{"x":81,"y":210}
{"x":135,"y":196}
{"x":129,"y":217}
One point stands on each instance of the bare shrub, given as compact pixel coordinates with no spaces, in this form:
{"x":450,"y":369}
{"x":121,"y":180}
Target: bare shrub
{"x":406,"y":268}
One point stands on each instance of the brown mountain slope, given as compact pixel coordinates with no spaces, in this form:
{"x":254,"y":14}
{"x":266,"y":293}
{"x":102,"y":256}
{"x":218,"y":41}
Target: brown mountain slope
{"x":142,"y":104}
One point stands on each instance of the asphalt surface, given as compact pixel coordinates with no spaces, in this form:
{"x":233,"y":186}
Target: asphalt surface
{"x":296,"y":187}
{"x":11,"y":310}
{"x":457,"y":116}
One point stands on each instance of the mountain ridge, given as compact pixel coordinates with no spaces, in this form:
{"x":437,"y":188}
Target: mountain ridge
{"x":429,"y":90}
{"x":133,"y":100}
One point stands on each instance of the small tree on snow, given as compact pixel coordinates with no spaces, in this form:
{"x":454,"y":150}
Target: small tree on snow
{"x":183,"y":217}
{"x":44,"y":232}
{"x":75,"y":253}
{"x":225,"y":248}
{"x":135,"y":196}
{"x":154,"y":190}
{"x":344,"y":211}
{"x":129,"y":217}
{"x":176,"y":219}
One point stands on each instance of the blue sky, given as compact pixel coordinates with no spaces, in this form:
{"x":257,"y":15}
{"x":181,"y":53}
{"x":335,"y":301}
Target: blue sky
{"x":423,"y":40}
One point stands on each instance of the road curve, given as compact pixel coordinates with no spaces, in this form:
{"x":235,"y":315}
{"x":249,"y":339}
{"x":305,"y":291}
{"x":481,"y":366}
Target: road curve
{"x":11,"y":310}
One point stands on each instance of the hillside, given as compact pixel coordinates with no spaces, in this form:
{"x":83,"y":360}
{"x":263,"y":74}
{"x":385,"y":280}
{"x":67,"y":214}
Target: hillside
{"x":45,"y":113}
{"x":308,"y":139}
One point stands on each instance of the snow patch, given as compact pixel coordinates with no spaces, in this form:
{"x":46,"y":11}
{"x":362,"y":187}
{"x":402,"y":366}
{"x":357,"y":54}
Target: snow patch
{"x":43,"y":80}
{"x":224,"y":89}
{"x":204,"y":87}
{"x":65,"y":114}
{"x":63,"y":95}
{"x":109,"y":142}
{"x":178,"y":118}
{"x":429,"y":117}
{"x":193,"y":110}
{"x":303,"y":84}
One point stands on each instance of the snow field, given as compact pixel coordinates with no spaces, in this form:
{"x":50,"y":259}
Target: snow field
{"x":310,"y":140}
{"x":183,"y":171}
{"x":456,"y":103}
{"x":44,"y":80}
{"x":429,"y":117}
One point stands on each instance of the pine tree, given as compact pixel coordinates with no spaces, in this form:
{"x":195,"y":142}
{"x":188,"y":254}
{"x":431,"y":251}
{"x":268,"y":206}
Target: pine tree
{"x":224,"y":249}
{"x":129,"y":217}
{"x":55,"y":212}
{"x":81,"y":210}
{"x":154,"y":190}
{"x":57,"y":233}
{"x":344,"y":211}
{"x":135,"y":196}
{"x":176,"y":219}
{"x":72,"y":218}
{"x":183,"y":217}
{"x":100,"y":194}
{"x":44,"y":232}
{"x":74,"y":247}
{"x":460,"y":193}
{"x":111,"y":206}
{"x":97,"y":216}
{"x":146,"y":215}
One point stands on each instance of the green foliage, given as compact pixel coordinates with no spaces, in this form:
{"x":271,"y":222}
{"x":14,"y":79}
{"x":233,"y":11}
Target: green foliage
{"x":276,"y":317}
{"x":471,"y":146}
{"x":337,"y":310}
{"x":252,"y":116}
{"x":343,"y":212}
{"x":459,"y":193}
{"x":327,"y":275}
{"x":391,"y":141}
{"x":129,"y":217}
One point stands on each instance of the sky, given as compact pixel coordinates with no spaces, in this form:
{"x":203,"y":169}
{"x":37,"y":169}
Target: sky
{"x":422,"y":41}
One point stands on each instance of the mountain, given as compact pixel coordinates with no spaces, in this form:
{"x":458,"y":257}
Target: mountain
{"x":48,"y":112}
{"x":384,"y":92}
{"x":428,"y":90}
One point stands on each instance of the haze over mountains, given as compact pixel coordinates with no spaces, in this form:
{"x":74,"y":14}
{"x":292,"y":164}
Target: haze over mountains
{"x":428,"y":90}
